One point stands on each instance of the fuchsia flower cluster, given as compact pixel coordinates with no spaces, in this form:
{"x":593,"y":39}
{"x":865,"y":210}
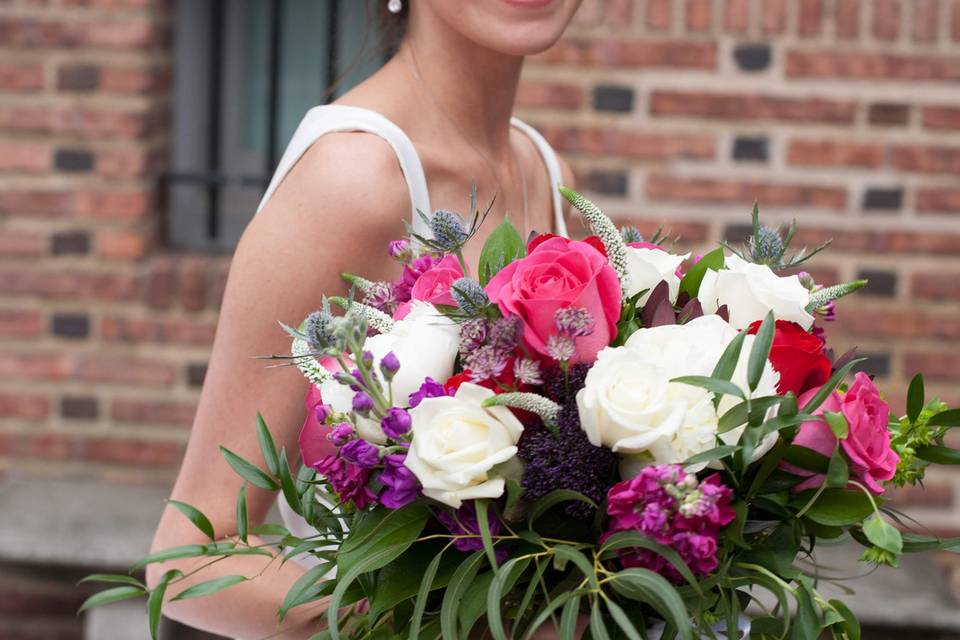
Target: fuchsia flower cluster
{"x":674,"y":509}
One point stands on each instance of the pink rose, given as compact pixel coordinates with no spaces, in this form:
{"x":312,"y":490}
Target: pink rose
{"x":560,"y":273}
{"x":867,"y":444}
{"x":315,"y":445}
{"x":433,"y":285}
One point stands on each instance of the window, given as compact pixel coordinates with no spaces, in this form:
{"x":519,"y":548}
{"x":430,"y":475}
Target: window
{"x":245,"y":73}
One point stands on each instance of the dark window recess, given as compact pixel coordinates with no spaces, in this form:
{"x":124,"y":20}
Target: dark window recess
{"x":70,"y":325}
{"x":78,"y":407}
{"x":737,"y":233}
{"x":883,"y":199}
{"x":70,"y":242}
{"x":753,"y":57}
{"x":889,"y":114}
{"x":246,"y":72}
{"x":876,"y":364}
{"x":196,"y":374}
{"x":881,"y":283}
{"x":751,"y":149}
{"x":613,"y":98}
{"x":612,"y":183}
{"x":73,"y":160}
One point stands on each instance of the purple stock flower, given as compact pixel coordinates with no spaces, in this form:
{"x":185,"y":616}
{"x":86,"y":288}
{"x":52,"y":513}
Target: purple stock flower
{"x":396,"y":423}
{"x":429,"y":389}
{"x":399,"y":250}
{"x":463,"y":522}
{"x":341,"y":434}
{"x":389,"y":365}
{"x":400,"y":485}
{"x":362,"y":402}
{"x":321,"y":411}
{"x":361,"y":453}
{"x":348,"y":480}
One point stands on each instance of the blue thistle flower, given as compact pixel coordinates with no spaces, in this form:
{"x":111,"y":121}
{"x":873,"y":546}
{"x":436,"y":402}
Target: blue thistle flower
{"x":320,"y":329}
{"x":469,"y":296}
{"x":766,"y":246}
{"x":449,"y":230}
{"x":631,"y":234}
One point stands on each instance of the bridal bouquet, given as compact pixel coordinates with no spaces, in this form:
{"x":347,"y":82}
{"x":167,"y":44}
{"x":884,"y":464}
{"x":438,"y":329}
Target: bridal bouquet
{"x":595,"y":434}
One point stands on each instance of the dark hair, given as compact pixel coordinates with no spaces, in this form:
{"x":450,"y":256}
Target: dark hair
{"x":391,"y":26}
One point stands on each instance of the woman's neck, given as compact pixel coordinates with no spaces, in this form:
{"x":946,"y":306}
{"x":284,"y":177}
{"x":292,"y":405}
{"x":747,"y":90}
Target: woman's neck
{"x":474,"y":87}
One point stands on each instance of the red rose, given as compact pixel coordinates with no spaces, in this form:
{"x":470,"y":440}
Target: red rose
{"x":797,"y":355}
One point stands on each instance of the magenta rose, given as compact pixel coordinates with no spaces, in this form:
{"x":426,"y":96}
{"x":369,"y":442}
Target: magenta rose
{"x":560,"y":273}
{"x":867,"y":445}
{"x":433,"y":285}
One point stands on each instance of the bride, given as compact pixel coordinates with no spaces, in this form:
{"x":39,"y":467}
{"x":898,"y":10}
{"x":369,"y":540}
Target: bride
{"x":438,"y":114}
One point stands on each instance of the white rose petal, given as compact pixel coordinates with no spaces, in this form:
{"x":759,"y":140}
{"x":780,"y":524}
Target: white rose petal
{"x":457,"y":442}
{"x":751,"y":290}
{"x":646,"y":268}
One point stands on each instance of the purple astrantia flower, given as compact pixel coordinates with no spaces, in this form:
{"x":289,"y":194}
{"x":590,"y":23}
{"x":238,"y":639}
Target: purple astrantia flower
{"x":505,"y":333}
{"x":348,"y":480}
{"x":485,"y":363}
{"x":561,"y":348}
{"x":381,"y":295}
{"x":341,"y":434}
{"x":527,"y":371}
{"x":396,"y":423}
{"x":400,"y":485}
{"x":361,"y":453}
{"x":429,"y":389}
{"x":362,"y":402}
{"x":473,"y":333}
{"x":573,"y":322}
{"x":463,"y":522}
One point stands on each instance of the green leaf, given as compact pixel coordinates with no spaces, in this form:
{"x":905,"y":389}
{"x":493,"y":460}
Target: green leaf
{"x":269,"y":529}
{"x":242,"y":522}
{"x":502,"y":582}
{"x":938,"y":454}
{"x":452,"y":597}
{"x":503,"y":246}
{"x":948,"y":418}
{"x":111,"y":595}
{"x":420,"y":605}
{"x":720,"y":387}
{"x":155,"y":601}
{"x":370,"y":562}
{"x":807,"y":459}
{"x":514,"y":492}
{"x":287,"y":486}
{"x":112,"y":578}
{"x":382,"y":528}
{"x":473,"y":605}
{"x":481,"y":509}
{"x":646,"y":586}
{"x":837,"y":423}
{"x":564,"y":553}
{"x":913,"y":542}
{"x":883,"y":534}
{"x":838,"y":473}
{"x":836,"y":507}
{"x":623,"y":620}
{"x":267,"y":445}
{"x":806,"y":624}
{"x":691,"y":281}
{"x":296,"y":595}
{"x":597,"y":629}
{"x":727,"y":364}
{"x":712,"y":454}
{"x":248,"y":471}
{"x":568,"y":618}
{"x":625,"y":539}
{"x":834,"y":381}
{"x":915,"y":395}
{"x":553,"y":498}
{"x":549,"y":608}
{"x":209,"y":587}
{"x":173,"y":553}
{"x":760,"y":352}
{"x":401,"y":579}
{"x":194,"y":515}
{"x":851,"y":626}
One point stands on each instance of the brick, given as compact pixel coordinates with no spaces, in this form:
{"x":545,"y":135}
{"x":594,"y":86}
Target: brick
{"x":699,"y":15}
{"x":555,"y":95}
{"x":70,"y":325}
{"x":879,"y":199}
{"x":871,"y":241}
{"x":17,"y":323}
{"x":736,"y":16}
{"x":936,"y":286}
{"x":70,"y":243}
{"x":810,"y":21}
{"x":92,"y":367}
{"x":659,"y":14}
{"x":926,"y":159}
{"x":91,"y":204}
{"x":193,"y":283}
{"x":610,"y":52}
{"x":902,"y":323}
{"x":160,"y":412}
{"x":130,"y":452}
{"x":34,"y":365}
{"x":196,"y":373}
{"x":753,"y":57}
{"x":805,"y":63}
{"x":632,"y":144}
{"x":133,"y":80}
{"x":24,"y":157}
{"x":886,"y":19}
{"x":938,"y":200}
{"x":750,"y":107}
{"x":139,"y":330}
{"x":68,"y":285}
{"x":28,"y":406}
{"x":690,"y":232}
{"x":607,"y":182}
{"x":22,"y":244}
{"x":613,"y":98}
{"x":21,"y":76}
{"x":774,"y":16}
{"x":79,"y":407}
{"x":161,"y":283}
{"x":847,"y":18}
{"x":74,"y":160}
{"x":751,"y":148}
{"x":955,"y":20}
{"x":946,"y":118}
{"x":931,"y":495}
{"x":124,"y":244}
{"x":888,"y":114}
{"x":940,"y":365}
{"x":704,"y":190}
{"x":824,"y":153}
{"x":881,"y":283}
{"x":44,"y":446}
{"x":78,"y":77}
{"x":926,"y":20}
{"x":134,"y":122}
{"x":131,"y":163}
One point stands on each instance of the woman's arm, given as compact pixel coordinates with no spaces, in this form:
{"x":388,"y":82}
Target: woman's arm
{"x":335,"y":211}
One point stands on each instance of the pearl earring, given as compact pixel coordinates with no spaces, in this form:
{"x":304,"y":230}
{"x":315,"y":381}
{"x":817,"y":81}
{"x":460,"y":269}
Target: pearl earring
{"x":394,"y":6}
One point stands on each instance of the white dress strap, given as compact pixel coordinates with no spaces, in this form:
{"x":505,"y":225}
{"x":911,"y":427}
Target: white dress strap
{"x":553,"y":173}
{"x":333,"y":118}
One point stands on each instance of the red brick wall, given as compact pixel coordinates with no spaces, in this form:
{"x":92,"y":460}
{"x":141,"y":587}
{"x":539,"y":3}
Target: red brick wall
{"x":844,"y":114}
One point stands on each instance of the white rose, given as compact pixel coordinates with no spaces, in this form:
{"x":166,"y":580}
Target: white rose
{"x":456,"y":443}
{"x":629,"y":405}
{"x":340,"y":398}
{"x":646,"y":268}
{"x":751,"y":290}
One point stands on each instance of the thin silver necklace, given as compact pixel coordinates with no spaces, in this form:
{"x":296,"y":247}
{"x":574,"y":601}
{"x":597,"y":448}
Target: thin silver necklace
{"x":414,"y":71}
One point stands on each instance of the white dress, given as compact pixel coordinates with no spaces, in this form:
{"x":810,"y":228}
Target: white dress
{"x":338,"y":118}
